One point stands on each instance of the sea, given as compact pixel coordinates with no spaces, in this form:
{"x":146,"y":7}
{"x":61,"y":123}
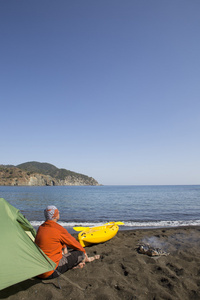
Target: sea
{"x":136,"y":206}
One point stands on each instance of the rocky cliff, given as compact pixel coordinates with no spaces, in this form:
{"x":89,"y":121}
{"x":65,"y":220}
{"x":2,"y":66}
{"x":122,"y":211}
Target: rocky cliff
{"x":14,"y":175}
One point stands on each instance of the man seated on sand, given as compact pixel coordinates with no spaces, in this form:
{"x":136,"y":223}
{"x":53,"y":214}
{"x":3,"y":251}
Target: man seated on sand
{"x":53,"y":239}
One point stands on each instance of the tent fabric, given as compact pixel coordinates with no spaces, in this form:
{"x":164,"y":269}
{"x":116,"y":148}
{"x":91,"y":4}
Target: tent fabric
{"x":20,"y":257}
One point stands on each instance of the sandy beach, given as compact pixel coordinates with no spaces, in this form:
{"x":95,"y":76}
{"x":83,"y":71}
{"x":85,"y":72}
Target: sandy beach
{"x":123,"y":273}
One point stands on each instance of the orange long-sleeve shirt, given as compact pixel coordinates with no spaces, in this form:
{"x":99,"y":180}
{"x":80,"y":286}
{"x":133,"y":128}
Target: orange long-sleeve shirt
{"x":51,"y":238}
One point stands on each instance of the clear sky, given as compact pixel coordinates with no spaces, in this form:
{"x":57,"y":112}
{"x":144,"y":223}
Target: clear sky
{"x":110,"y":89}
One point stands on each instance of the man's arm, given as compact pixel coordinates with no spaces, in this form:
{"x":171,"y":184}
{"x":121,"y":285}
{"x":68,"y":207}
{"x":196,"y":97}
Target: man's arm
{"x":70,"y":241}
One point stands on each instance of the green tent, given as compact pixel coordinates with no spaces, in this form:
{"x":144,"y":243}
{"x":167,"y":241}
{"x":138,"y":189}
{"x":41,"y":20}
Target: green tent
{"x":20,"y":257}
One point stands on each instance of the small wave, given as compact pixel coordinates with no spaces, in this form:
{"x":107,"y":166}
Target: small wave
{"x":162,"y":223}
{"x":70,"y":224}
{"x":36,"y":223}
{"x":128,"y":224}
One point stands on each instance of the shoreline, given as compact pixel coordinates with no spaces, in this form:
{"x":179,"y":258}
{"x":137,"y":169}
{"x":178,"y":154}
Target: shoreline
{"x":125,"y":227}
{"x":123,"y":273}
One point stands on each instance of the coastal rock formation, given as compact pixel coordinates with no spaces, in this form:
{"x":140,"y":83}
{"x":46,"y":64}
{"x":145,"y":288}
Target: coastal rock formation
{"x":38,"y":174}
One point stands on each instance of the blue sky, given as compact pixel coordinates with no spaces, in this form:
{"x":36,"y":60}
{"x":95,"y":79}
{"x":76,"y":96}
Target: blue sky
{"x":109,"y":89}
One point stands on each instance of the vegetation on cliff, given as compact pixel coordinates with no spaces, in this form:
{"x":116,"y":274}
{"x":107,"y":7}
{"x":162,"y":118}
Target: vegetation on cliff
{"x":36,"y":173}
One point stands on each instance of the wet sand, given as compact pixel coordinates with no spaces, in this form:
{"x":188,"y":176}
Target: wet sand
{"x":123,"y":273}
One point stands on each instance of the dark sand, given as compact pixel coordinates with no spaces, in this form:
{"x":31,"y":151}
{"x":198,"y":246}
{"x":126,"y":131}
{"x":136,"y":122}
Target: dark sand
{"x":123,"y":273}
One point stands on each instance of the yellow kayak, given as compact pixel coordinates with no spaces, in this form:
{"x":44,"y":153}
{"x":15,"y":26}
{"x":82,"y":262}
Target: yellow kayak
{"x":99,"y":234}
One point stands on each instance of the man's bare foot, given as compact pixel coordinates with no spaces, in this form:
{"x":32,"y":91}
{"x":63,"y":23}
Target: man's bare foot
{"x":92,"y":258}
{"x":79,"y":266}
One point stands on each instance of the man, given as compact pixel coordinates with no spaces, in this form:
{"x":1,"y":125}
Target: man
{"x":53,"y":239}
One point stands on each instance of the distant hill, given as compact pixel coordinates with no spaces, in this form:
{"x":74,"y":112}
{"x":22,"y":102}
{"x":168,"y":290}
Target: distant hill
{"x":36,"y":173}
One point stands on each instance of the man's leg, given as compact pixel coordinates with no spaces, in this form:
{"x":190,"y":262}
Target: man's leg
{"x":68,"y":261}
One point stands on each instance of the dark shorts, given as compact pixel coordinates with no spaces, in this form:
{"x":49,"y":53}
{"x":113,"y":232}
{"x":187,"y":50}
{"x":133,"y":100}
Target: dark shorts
{"x":68,"y":261}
